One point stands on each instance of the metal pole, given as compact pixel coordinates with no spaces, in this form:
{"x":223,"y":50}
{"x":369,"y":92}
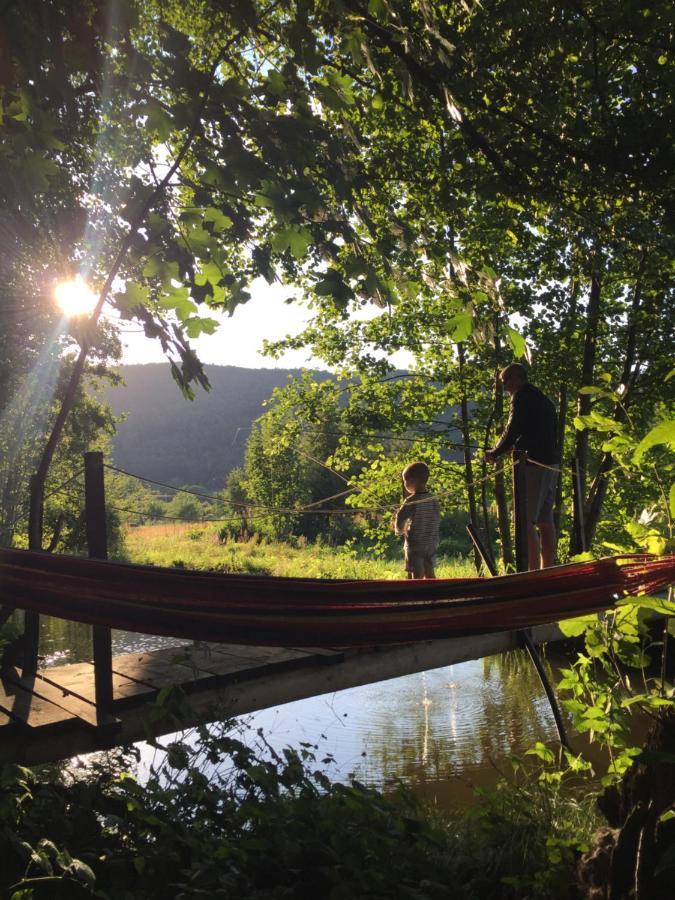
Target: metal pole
{"x":548,"y":687}
{"x":520,"y":510}
{"x":97,"y":542}
{"x":481,"y":549}
{"x":520,"y":517}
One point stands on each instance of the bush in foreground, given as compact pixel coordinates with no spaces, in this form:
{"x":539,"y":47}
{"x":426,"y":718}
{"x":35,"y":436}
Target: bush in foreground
{"x":216,"y":818}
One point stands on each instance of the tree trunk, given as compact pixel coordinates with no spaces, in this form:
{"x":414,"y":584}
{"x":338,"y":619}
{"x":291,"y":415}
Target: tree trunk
{"x":466,"y":439}
{"x":625,"y":855}
{"x":587,"y":373}
{"x":563,"y":393}
{"x":629,"y":376}
{"x":503,"y":518}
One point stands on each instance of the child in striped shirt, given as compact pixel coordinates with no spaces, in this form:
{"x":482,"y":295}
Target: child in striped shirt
{"x":418,"y":520}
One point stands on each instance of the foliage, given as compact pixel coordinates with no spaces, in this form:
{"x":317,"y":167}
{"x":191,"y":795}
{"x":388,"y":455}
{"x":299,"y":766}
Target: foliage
{"x":219,"y":816}
{"x":615,"y":678}
{"x":287,"y":465}
{"x":469,"y":183}
{"x":21,"y":426}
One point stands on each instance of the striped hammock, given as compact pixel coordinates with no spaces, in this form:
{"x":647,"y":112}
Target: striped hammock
{"x":306,"y":612}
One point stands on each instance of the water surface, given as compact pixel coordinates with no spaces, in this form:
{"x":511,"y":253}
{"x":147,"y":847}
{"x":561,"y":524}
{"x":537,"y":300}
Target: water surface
{"x":442,"y":732}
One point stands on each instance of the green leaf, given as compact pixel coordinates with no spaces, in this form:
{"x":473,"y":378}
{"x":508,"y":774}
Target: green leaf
{"x":275,"y":84}
{"x":576,"y":627}
{"x":178,"y":300}
{"x":516,"y":341}
{"x":39,"y":170}
{"x":134,"y":294}
{"x":655,"y":604}
{"x":460,"y":327}
{"x":295,"y":239}
{"x":158,"y":120}
{"x":671,"y":500}
{"x":157,"y":267}
{"x":220,"y":221}
{"x":196,"y":326}
{"x":663,"y":433}
{"x":542,"y":751}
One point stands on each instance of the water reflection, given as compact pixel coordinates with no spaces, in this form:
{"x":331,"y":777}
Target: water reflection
{"x":442,"y":731}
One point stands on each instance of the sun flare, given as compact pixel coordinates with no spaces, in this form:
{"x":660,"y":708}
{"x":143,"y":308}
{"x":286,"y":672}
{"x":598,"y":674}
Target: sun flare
{"x":75,"y":297}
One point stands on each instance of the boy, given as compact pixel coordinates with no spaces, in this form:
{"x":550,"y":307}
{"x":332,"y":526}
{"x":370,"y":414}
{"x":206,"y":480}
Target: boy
{"x":418,"y":520}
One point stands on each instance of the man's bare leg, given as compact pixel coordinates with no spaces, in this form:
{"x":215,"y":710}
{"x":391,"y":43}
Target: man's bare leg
{"x":533,"y":547}
{"x":548,"y":543}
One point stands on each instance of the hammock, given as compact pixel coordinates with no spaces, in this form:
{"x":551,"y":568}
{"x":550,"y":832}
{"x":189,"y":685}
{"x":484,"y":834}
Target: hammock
{"x":305,"y":612}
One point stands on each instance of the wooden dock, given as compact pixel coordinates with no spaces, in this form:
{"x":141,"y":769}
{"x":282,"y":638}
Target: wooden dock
{"x":52,"y":715}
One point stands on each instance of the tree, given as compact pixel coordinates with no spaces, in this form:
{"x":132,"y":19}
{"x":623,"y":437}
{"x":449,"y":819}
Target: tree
{"x":373,"y":153}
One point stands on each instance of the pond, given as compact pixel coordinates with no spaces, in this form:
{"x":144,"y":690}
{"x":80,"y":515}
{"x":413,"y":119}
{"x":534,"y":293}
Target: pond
{"x":443,"y":732}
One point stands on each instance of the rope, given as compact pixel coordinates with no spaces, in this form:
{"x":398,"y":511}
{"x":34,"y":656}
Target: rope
{"x":59,"y":489}
{"x":535,"y":462}
{"x":288,"y":510}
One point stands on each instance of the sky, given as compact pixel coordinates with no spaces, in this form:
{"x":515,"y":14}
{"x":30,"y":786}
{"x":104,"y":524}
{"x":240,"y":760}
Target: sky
{"x":238,"y":340}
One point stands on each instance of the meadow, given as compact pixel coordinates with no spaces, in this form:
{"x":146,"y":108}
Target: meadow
{"x":198,"y":546}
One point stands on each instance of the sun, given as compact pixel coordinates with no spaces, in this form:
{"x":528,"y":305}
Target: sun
{"x":75,"y":297}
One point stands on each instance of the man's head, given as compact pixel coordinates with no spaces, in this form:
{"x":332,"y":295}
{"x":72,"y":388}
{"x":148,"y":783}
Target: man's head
{"x":513,"y":377}
{"x":415,"y":477}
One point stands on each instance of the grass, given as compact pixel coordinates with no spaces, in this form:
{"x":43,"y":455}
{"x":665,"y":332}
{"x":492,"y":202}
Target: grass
{"x":197,"y":546}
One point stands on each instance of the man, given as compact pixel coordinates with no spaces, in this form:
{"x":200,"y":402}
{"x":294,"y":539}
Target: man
{"x":532,"y":427}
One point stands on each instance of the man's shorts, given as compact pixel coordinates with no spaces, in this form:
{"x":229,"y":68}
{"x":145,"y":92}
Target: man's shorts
{"x":419,"y":563}
{"x":540,"y":484}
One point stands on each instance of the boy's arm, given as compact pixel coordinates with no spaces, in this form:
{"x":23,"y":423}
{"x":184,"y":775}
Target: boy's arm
{"x":403,"y":516}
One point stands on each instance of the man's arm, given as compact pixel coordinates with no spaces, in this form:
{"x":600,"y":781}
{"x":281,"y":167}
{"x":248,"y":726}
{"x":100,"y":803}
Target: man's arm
{"x":511,"y":433}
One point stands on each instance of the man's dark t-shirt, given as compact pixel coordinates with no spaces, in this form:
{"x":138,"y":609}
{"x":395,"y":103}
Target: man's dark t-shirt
{"x":532,"y":426}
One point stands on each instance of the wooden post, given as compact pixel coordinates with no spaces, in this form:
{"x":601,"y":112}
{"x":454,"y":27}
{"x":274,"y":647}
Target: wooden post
{"x":578,"y":500}
{"x":97,"y":542}
{"x":520,"y":510}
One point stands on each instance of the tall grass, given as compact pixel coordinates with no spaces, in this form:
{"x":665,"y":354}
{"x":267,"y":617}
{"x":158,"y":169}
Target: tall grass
{"x":198,"y":546}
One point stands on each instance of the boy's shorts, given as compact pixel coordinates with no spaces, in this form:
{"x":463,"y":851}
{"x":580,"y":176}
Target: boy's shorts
{"x":420,"y":564}
{"x":540,"y":485}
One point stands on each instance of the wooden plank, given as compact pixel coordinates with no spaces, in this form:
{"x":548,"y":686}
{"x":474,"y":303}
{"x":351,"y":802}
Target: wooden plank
{"x":263,"y":655}
{"x":220,"y":663}
{"x":26,"y":707}
{"x":161,"y":667}
{"x":78,"y":679}
{"x":76,"y":706}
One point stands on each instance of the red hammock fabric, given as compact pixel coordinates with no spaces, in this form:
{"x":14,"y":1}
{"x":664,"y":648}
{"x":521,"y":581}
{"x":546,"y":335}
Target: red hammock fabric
{"x":303,"y":612}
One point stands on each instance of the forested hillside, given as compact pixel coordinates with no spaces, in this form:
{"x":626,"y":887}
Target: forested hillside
{"x":168,"y":438}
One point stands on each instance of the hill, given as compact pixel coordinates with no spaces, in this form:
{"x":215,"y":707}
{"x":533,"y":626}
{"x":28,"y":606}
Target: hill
{"x":179,"y":441}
